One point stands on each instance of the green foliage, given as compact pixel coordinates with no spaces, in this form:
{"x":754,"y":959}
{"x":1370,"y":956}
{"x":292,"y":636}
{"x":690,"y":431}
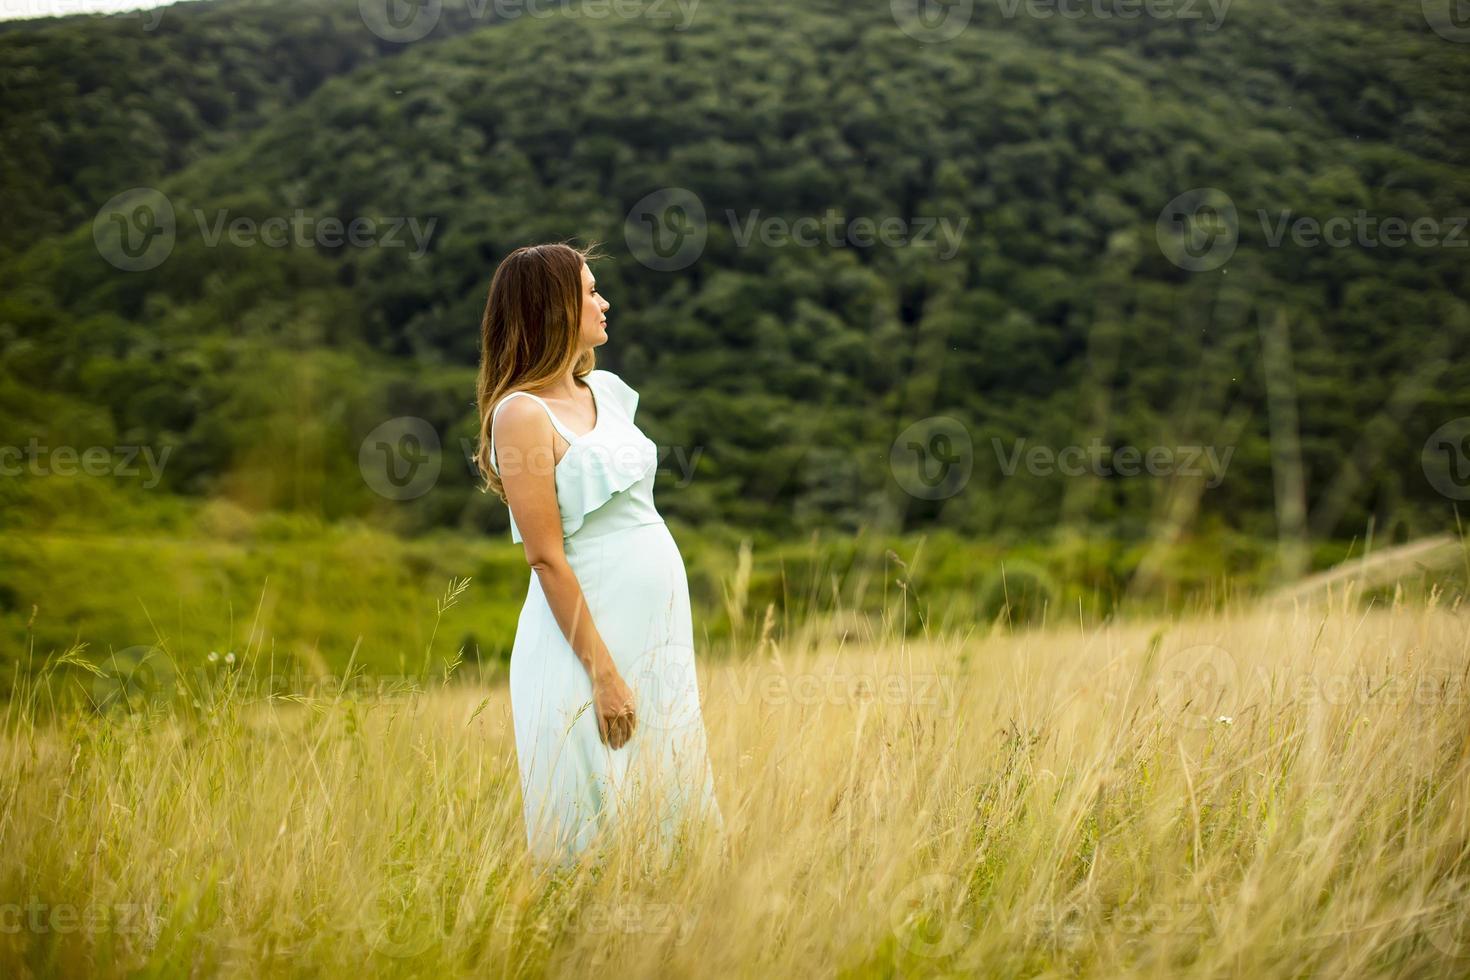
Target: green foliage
{"x":775,"y":376}
{"x":1019,"y":593}
{"x":788,"y":369}
{"x":95,"y":105}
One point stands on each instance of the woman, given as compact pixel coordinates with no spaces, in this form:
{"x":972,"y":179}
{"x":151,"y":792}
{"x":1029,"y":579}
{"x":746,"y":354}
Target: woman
{"x":603,"y":695}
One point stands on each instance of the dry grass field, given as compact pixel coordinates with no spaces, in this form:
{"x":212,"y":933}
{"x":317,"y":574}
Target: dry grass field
{"x":1273,"y":791}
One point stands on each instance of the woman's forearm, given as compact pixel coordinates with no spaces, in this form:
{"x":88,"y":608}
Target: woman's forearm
{"x":569,"y":607}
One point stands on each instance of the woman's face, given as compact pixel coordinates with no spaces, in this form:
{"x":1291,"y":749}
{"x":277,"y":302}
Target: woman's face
{"x":594,"y":311}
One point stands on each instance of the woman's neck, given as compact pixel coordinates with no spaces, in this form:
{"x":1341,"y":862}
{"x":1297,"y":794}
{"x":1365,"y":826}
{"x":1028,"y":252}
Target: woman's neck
{"x":564,"y":387}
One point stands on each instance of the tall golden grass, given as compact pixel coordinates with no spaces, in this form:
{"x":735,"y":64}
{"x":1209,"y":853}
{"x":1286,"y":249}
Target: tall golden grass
{"x":1272,"y":791}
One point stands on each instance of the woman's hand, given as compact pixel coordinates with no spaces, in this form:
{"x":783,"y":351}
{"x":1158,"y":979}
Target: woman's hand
{"x":613,"y":702}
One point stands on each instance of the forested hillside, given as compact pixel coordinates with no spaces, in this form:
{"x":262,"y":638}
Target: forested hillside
{"x":93,"y":105}
{"x":1043,"y":310}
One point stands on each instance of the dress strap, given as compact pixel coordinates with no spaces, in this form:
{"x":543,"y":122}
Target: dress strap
{"x":556,"y":423}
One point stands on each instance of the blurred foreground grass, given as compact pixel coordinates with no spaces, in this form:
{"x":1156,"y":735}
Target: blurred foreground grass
{"x":1265,"y":791}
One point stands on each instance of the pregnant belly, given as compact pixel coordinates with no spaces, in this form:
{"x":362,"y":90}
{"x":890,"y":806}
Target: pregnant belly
{"x":636,"y":591}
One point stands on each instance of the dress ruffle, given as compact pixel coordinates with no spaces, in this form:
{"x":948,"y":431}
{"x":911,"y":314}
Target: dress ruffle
{"x":610,"y":459}
{"x":625,"y":397}
{"x":598,"y":472}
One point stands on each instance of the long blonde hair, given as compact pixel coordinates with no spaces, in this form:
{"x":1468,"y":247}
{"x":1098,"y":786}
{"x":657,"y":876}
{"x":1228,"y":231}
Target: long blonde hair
{"x":530,"y":332}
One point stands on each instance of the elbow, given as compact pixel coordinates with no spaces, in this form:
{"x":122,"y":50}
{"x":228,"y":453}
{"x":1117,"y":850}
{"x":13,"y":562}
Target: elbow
{"x":543,"y":564}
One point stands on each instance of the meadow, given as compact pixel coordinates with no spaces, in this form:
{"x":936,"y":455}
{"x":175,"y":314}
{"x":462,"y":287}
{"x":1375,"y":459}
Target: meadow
{"x":1078,"y":573}
{"x":1272,"y":789}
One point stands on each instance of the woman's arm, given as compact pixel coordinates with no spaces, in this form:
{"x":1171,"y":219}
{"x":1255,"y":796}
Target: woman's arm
{"x":524,"y":451}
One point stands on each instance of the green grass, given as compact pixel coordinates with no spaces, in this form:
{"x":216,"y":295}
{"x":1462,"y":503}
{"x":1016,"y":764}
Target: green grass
{"x":1270,"y":792}
{"x":122,"y":571}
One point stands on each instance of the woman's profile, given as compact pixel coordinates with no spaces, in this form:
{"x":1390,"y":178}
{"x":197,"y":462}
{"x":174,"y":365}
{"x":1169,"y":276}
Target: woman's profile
{"x":603,"y":695}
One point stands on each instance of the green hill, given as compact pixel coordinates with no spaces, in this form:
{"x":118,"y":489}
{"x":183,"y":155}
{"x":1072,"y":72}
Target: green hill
{"x":1029,"y":294}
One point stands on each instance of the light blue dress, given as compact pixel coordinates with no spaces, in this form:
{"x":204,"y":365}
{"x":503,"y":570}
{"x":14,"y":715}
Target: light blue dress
{"x":631,"y":572}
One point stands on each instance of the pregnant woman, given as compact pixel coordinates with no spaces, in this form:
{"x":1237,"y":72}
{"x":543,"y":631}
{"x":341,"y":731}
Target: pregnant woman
{"x":602,"y":686}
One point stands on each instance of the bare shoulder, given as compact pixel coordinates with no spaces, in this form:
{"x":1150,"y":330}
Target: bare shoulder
{"x":520,"y":420}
